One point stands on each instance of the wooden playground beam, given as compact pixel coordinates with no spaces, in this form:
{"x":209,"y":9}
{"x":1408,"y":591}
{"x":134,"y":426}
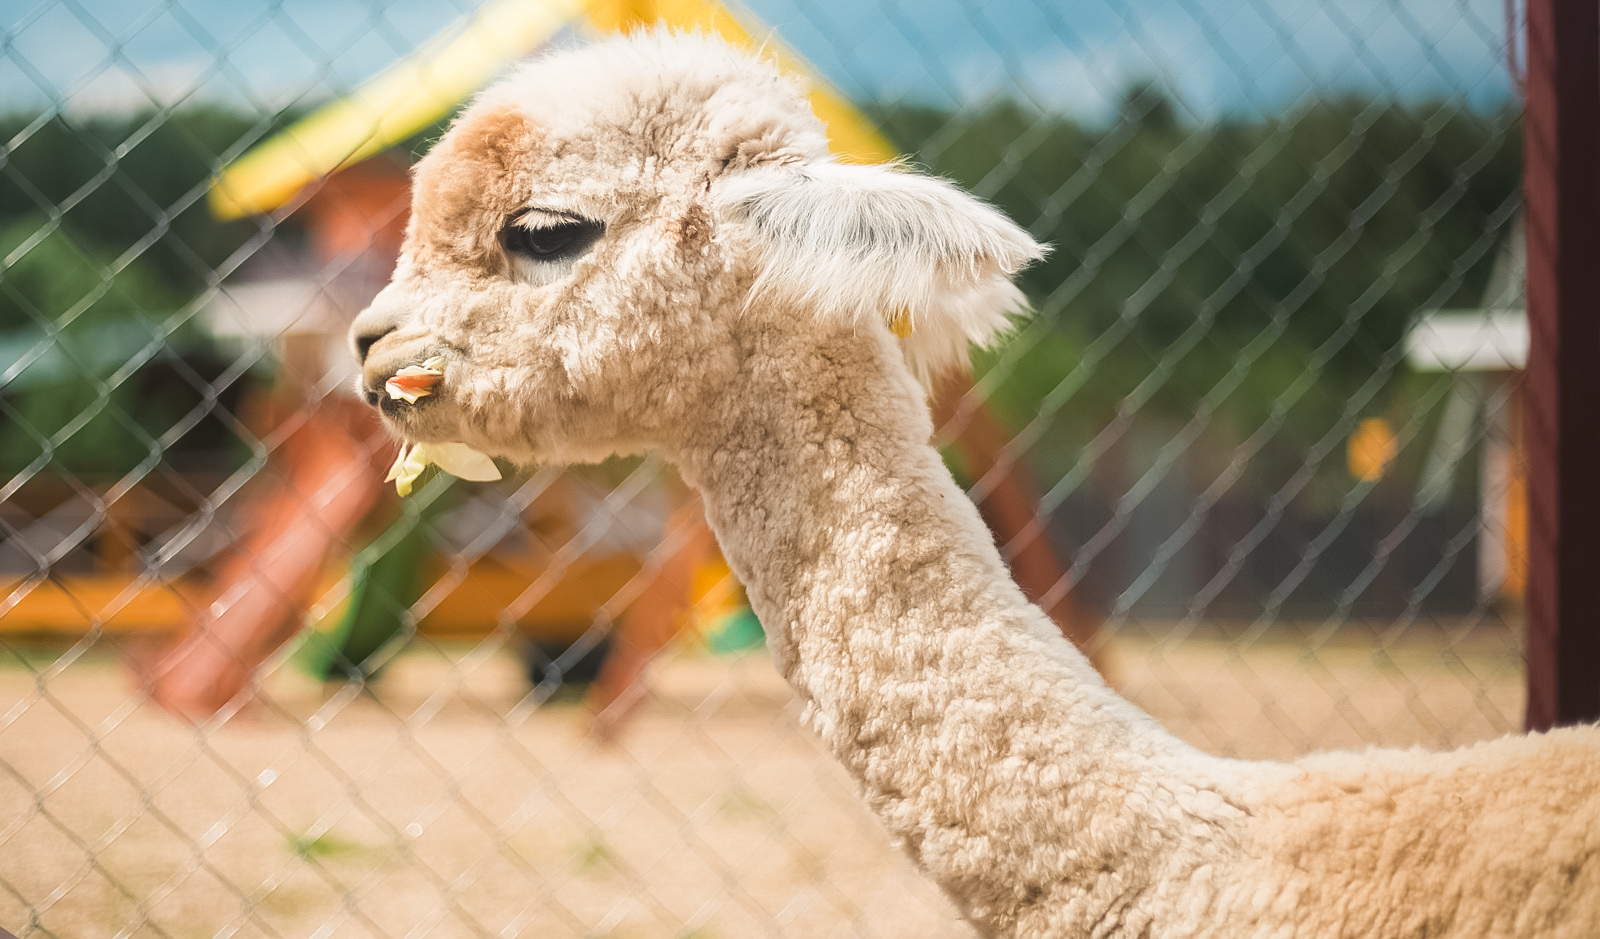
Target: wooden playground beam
{"x":1561,"y":185}
{"x":69,"y":606}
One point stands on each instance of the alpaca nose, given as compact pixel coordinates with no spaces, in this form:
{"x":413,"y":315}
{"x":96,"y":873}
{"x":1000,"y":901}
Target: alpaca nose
{"x":364,"y":340}
{"x":386,"y":313}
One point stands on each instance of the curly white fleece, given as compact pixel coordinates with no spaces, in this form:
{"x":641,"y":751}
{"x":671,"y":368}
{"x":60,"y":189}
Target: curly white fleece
{"x":732,"y":318}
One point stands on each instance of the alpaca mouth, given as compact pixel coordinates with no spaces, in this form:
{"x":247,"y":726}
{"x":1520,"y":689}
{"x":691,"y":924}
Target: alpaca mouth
{"x":377,"y":399}
{"x":407,"y":386}
{"x":392,"y":407}
{"x":415,"y":382}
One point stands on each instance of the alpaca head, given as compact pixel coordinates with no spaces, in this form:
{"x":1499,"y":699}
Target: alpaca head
{"x":597,"y":240}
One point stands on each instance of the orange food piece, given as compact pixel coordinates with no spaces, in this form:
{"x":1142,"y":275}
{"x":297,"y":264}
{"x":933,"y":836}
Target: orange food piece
{"x":416,"y":381}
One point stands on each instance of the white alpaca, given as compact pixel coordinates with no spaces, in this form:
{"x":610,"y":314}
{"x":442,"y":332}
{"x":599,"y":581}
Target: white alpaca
{"x":645,"y":245}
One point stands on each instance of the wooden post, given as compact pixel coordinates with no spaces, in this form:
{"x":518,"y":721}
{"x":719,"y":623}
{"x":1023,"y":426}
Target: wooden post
{"x":1561,"y":183}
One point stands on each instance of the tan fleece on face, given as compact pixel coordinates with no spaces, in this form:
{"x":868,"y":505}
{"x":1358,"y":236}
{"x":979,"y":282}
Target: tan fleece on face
{"x":691,"y":231}
{"x":469,"y":185}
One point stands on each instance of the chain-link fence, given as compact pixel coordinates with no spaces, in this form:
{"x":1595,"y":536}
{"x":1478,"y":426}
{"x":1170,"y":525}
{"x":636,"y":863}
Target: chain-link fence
{"x":1257,"y":451}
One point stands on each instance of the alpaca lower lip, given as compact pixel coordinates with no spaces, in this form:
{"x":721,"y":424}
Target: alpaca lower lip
{"x":393,"y":407}
{"x":379,"y":395}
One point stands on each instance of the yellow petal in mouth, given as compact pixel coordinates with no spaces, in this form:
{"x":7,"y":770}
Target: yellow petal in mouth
{"x":416,"y":381}
{"x":457,"y":459}
{"x":407,"y":467}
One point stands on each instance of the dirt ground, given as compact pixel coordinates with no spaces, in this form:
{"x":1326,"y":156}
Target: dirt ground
{"x":444,"y":803}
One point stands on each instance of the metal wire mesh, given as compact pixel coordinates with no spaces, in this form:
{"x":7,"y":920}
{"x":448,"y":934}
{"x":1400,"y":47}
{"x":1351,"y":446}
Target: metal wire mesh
{"x":1263,"y":423}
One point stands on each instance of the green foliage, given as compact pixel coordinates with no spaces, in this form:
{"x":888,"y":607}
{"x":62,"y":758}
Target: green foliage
{"x":1262,"y":273}
{"x":105,"y":239}
{"x":135,"y":184}
{"x":73,"y":323}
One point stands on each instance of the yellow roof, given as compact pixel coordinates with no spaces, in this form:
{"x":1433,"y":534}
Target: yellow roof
{"x":853,"y":137}
{"x":422,"y":88}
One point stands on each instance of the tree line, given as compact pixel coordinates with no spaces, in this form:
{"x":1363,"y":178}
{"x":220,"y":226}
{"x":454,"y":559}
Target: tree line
{"x":1257,"y":269}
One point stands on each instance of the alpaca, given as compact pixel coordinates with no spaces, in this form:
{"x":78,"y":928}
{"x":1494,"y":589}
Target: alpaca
{"x":644,"y":245}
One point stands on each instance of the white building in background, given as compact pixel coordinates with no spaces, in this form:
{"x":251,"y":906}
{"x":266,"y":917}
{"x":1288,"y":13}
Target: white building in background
{"x":1485,"y":350}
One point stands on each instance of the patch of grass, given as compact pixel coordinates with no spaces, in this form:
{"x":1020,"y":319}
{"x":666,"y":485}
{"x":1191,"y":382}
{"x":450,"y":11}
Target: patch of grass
{"x":594,"y":853}
{"x":742,"y":802}
{"x":20,"y":652}
{"x":326,"y":846}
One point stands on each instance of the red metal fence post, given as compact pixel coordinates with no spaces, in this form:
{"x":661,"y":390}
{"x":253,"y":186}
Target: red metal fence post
{"x":1561,"y":183}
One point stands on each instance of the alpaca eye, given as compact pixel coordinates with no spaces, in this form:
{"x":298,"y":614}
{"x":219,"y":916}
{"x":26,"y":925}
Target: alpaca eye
{"x":563,"y":240}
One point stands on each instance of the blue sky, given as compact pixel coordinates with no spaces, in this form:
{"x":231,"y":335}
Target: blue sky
{"x":1076,"y":56}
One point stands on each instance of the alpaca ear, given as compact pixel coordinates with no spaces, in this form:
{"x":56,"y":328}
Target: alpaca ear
{"x":879,"y":243}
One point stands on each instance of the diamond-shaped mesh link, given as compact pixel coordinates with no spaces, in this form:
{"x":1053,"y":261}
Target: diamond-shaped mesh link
{"x":1246,"y":451}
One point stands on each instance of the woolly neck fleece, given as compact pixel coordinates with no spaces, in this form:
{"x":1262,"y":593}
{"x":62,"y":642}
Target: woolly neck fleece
{"x":1042,"y":801}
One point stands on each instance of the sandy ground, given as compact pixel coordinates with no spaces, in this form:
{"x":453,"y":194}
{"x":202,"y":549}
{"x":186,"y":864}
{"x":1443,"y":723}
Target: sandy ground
{"x":445,"y":804}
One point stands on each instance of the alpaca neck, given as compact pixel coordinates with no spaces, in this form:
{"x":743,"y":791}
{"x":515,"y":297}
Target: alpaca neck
{"x":975,"y":730}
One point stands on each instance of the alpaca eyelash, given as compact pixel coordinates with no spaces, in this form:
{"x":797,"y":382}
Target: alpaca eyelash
{"x":549,"y":239}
